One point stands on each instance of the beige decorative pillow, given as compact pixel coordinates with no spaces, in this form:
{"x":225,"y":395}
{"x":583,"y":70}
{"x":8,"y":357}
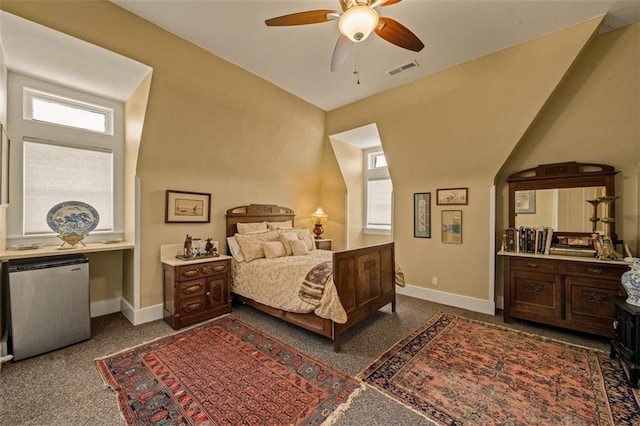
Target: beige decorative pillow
{"x":299,"y":248}
{"x":251,"y":244}
{"x":287,"y":224}
{"x":286,"y":238}
{"x":273,"y":249}
{"x":305,"y":235}
{"x":246,"y":228}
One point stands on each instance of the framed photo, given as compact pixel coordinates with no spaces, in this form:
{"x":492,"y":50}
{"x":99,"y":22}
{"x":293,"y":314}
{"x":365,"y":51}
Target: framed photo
{"x":187,"y":207}
{"x":452,"y":226}
{"x":525,"y":202}
{"x":4,"y":165}
{"x":452,"y":197}
{"x":422,"y":215}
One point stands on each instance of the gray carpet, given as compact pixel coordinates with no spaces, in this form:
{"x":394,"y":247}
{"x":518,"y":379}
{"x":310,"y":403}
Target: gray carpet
{"x":63,"y":387}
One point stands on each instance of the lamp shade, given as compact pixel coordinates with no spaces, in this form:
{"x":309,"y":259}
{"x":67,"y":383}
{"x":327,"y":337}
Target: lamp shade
{"x":358,"y":22}
{"x":319,"y":215}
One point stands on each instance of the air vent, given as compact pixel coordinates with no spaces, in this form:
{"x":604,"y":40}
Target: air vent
{"x":404,"y":68}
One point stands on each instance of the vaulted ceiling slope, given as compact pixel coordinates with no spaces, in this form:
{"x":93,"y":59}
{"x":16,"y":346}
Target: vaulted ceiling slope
{"x":297,"y":58}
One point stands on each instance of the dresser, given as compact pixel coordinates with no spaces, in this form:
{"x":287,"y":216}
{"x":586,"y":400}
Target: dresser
{"x":564,"y":291}
{"x":196,"y":290}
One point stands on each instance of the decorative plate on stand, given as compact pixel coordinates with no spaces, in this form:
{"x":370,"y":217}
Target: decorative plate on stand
{"x":72,"y":218}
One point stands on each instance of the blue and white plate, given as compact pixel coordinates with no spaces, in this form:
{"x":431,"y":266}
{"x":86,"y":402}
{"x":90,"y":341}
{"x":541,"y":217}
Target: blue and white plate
{"x":73,"y":217}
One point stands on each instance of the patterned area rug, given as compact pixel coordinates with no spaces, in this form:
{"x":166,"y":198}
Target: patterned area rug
{"x":224,"y":372}
{"x":457,"y":371}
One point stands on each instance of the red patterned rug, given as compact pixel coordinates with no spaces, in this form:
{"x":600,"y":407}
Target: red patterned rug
{"x":457,"y":371}
{"x":224,"y":372}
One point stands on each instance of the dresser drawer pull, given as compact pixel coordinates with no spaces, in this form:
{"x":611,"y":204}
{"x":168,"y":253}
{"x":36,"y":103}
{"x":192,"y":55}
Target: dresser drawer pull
{"x":219,"y":268}
{"x":192,"y":289}
{"x":615,"y":325}
{"x":532,"y":265}
{"x":205,"y":269}
{"x":190,"y":273}
{"x":594,"y":271}
{"x":191,"y":307}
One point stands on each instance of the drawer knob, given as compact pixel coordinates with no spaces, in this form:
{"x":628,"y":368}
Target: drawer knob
{"x":532,"y":265}
{"x":192,"y":289}
{"x":594,"y":271}
{"x":615,"y":325}
{"x":190,"y":307}
{"x":190,"y":273}
{"x":206,"y":269}
{"x":219,"y":268}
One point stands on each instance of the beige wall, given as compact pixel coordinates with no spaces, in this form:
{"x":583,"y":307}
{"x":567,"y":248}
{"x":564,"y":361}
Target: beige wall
{"x":593,"y":118}
{"x":456,"y":129}
{"x":209,"y":127}
{"x":212,"y":127}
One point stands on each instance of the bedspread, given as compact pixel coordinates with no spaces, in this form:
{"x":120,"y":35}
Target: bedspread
{"x":278,"y":283}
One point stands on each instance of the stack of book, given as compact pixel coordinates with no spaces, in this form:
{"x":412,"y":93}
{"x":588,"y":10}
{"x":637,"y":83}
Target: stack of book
{"x":527,"y":240}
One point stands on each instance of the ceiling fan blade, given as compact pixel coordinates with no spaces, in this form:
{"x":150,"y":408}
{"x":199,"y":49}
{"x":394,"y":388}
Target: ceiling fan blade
{"x":343,"y":5}
{"x":377,"y":3}
{"x":396,"y":33}
{"x":302,"y":18}
{"x":340,"y":52}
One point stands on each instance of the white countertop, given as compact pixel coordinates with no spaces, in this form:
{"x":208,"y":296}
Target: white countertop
{"x":179,"y":262}
{"x":57,"y":250}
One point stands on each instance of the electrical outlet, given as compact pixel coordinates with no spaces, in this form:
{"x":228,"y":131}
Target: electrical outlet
{"x":434,"y":280}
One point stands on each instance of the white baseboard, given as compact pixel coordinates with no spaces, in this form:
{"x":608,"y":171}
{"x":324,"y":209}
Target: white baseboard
{"x":105,"y":307}
{"x":140,"y":316}
{"x":449,"y":299}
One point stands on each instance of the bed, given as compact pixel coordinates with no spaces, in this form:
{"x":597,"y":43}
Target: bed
{"x":363,"y":279}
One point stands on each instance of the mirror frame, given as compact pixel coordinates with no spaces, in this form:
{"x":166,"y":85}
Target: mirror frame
{"x":563,"y":175}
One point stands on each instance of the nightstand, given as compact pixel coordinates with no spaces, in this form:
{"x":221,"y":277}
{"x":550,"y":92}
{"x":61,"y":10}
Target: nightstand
{"x":323,"y":244}
{"x":626,"y":343}
{"x":196,"y":290}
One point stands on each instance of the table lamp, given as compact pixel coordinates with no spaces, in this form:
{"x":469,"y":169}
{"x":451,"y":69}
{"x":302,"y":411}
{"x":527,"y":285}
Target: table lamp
{"x":319,"y":217}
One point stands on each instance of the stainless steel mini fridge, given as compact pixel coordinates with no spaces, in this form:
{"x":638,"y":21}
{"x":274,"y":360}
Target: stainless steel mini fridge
{"x":49,"y":304}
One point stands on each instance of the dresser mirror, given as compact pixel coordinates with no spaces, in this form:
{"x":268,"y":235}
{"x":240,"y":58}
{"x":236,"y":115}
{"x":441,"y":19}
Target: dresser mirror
{"x":555,"y":196}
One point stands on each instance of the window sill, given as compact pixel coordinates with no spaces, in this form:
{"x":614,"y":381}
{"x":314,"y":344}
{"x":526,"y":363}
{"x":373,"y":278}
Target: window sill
{"x":376,"y":231}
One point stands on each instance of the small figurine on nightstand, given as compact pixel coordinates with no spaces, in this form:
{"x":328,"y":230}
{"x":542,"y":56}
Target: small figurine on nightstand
{"x":209,"y":248}
{"x":188,"y":247}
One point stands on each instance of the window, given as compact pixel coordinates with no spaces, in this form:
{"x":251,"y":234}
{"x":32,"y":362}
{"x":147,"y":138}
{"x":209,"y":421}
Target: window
{"x":67,"y":146}
{"x":378,"y":192}
{"x":49,"y":108}
{"x":86,"y":175}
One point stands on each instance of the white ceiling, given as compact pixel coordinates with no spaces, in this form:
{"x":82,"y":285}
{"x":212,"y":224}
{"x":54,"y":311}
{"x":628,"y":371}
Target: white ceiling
{"x":297,"y":58}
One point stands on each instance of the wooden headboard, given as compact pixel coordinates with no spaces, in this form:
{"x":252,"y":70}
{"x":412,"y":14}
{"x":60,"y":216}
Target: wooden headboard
{"x":256,"y":213}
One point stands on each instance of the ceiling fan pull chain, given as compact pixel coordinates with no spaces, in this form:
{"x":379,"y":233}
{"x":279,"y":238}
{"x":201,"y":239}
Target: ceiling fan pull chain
{"x":356,"y":71}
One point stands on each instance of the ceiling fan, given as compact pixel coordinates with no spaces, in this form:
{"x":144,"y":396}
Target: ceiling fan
{"x":357,"y":20}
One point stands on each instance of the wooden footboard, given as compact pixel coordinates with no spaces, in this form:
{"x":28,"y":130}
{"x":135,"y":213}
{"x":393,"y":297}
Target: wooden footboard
{"x":365,"y":280}
{"x":364,"y":277}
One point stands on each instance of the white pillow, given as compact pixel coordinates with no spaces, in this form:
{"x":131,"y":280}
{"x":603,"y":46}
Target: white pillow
{"x":305,"y":235}
{"x":245,"y":228}
{"x":286,"y":238}
{"x":251,"y":244}
{"x":234,"y":248}
{"x":273,"y":249}
{"x":299,"y":248}
{"x":287,"y":224}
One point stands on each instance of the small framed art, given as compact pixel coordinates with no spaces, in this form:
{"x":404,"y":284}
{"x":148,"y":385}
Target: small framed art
{"x":452,"y":197}
{"x":525,"y":201}
{"x":187,"y":207}
{"x":422,"y":215}
{"x":452,"y":226}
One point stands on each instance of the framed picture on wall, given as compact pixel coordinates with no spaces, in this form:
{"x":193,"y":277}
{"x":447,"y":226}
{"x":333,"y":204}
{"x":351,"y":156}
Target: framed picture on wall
{"x":452,"y":197}
{"x":452,"y":226}
{"x":422,"y":215}
{"x":187,"y":207}
{"x":525,"y":202}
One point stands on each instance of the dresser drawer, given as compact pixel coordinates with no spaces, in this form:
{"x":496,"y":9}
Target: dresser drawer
{"x":534,"y":264}
{"x":192,"y":306}
{"x":199,"y":270}
{"x":191,"y":288}
{"x":596,"y":270}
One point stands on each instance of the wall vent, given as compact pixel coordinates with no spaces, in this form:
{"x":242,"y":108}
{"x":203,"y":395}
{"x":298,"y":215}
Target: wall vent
{"x":403,"y":68}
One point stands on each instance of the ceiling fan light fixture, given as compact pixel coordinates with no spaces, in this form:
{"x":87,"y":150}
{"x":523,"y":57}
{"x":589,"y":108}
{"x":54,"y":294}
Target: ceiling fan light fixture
{"x":358,"y":22}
